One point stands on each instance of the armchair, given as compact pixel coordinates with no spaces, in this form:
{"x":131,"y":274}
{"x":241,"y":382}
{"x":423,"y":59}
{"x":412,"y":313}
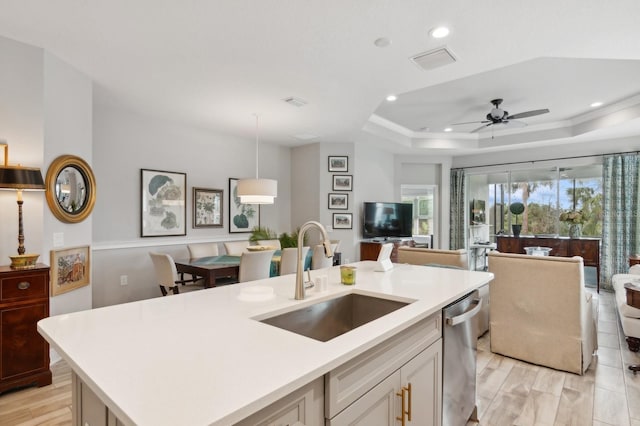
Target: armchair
{"x":540,"y":312}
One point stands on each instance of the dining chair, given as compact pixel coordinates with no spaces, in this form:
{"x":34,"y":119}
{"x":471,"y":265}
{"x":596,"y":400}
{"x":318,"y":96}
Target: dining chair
{"x":198,"y":250}
{"x":289,"y":259}
{"x":272,"y":243}
{"x":255,"y":265}
{"x":167,"y":275}
{"x":236,"y":248}
{"x":318,"y":258}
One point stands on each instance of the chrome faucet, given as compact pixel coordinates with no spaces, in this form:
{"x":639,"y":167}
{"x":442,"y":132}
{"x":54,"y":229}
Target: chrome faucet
{"x":300,"y":269}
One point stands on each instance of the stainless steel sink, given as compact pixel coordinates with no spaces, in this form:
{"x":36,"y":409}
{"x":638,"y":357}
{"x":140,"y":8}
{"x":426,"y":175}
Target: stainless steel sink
{"x":328,"y":319}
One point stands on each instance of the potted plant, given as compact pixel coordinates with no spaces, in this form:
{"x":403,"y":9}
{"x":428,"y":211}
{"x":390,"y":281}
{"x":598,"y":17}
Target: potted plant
{"x":262,"y":233}
{"x":575,"y":219}
{"x":516,"y":209}
{"x":287,"y":240}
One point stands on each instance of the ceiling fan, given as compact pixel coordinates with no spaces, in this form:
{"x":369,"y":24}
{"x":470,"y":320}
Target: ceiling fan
{"x":500,"y":116}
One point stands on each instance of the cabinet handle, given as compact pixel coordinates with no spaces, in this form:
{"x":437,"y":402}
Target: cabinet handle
{"x":409,"y":411}
{"x":406,"y":390}
{"x":23,"y":285}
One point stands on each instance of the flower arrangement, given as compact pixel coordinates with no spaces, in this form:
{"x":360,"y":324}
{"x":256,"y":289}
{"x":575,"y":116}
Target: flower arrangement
{"x":572,"y":217}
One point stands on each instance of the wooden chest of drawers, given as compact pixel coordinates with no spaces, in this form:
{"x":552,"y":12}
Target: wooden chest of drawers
{"x":24,"y":354}
{"x":587,"y":248}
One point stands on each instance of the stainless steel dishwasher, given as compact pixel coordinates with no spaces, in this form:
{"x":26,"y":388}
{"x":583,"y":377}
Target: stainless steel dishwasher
{"x":459,"y":360}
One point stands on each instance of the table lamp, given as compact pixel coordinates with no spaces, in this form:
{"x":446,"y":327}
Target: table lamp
{"x":21,"y":179}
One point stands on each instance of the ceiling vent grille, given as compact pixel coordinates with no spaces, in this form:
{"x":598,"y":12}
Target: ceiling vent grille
{"x":434,"y":58}
{"x":297,"y":102}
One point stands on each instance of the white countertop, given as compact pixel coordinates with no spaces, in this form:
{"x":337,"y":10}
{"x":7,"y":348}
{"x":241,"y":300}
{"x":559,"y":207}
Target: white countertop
{"x":200,"y":358}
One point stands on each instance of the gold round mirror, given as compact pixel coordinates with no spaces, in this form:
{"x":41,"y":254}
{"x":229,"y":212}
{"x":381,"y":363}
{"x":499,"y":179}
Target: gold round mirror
{"x":71,"y":189}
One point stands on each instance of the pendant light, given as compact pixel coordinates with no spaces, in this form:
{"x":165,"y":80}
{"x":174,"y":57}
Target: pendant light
{"x":257,"y":191}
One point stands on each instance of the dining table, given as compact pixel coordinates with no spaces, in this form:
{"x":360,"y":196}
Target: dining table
{"x":213,"y":269}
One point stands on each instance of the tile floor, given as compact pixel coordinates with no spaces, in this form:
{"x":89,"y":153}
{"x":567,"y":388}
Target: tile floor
{"x":512,"y":392}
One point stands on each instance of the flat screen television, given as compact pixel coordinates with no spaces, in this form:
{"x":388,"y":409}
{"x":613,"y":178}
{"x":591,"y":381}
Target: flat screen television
{"x":392,"y":220}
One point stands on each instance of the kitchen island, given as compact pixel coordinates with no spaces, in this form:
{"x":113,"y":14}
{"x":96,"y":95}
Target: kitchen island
{"x":203,"y":358}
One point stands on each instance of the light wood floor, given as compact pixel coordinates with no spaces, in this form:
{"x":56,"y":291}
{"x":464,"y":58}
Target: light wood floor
{"x":510,"y":392}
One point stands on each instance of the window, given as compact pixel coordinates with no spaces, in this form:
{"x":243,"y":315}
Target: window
{"x":423,"y":199}
{"x":546,"y":193}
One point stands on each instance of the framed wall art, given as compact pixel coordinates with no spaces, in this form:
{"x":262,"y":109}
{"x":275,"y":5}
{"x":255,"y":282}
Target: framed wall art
{"x":338,"y":163}
{"x":70,"y":269}
{"x":338,"y":201}
{"x":342,"y":221}
{"x":163,"y":204}
{"x":342,"y":182}
{"x":242,"y":217}
{"x":207,"y":208}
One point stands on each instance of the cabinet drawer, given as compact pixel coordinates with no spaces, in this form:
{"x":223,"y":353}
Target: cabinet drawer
{"x":25,"y":286}
{"x":353,"y":379}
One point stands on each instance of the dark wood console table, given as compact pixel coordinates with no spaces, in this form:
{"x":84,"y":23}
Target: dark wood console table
{"x":587,"y":248}
{"x":369,"y":250}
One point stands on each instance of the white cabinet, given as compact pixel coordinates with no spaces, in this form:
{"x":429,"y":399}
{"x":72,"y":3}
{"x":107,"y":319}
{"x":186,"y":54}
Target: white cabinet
{"x":412,"y":392}
{"x":368,"y":390}
{"x":424,"y":373}
{"x":377,"y":407}
{"x":88,"y":409}
{"x":304,"y":407}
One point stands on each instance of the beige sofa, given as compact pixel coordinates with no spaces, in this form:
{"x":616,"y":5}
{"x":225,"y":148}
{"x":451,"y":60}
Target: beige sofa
{"x":629,"y":316}
{"x":424,"y":256}
{"x":540,"y":312}
{"x":448,"y":258}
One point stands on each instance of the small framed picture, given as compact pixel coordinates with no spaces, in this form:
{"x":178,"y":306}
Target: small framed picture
{"x":342,"y":182}
{"x":338,"y":201}
{"x":207,"y":208}
{"x":70,"y":269}
{"x":342,"y":221}
{"x":338,"y":163}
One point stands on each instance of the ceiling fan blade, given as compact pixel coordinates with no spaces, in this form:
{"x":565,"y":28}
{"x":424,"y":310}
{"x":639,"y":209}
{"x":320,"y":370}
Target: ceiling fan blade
{"x":514,"y":124}
{"x":528,"y":114}
{"x":470,"y":122}
{"x":484,"y":126}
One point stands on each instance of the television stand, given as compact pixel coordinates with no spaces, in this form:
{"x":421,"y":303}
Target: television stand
{"x":370,"y":249}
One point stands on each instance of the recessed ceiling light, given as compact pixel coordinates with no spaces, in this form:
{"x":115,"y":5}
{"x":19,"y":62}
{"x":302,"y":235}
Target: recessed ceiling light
{"x":596,"y":104}
{"x":439,"y":32}
{"x":382,"y":42}
{"x":448,"y":129}
{"x":392,"y":98}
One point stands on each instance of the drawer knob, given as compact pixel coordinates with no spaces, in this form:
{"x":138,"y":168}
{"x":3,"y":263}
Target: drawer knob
{"x":23,"y":285}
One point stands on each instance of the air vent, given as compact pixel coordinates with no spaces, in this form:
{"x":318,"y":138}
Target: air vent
{"x":297,"y":102}
{"x":434,"y":58}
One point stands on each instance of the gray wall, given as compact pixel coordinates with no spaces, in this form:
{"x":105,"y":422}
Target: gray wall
{"x":124,"y":143}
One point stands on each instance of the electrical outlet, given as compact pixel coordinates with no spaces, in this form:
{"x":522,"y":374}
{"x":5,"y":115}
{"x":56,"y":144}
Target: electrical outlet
{"x":124,"y":280}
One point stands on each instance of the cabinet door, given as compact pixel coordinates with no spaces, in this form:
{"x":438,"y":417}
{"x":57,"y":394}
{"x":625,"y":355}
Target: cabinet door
{"x":304,"y":407}
{"x":92,"y":411}
{"x":378,"y":407}
{"x":424,"y":373}
{"x":23,"y":349}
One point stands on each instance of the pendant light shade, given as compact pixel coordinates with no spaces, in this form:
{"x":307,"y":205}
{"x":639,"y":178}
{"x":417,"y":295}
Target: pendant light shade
{"x":257,"y":191}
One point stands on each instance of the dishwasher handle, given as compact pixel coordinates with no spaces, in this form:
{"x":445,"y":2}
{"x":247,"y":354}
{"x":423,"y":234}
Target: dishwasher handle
{"x":466,"y":315}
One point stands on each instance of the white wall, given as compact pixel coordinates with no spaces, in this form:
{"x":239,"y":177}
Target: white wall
{"x":45,"y":111}
{"x":125,"y":142}
{"x":428,"y":170}
{"x":21,"y":118}
{"x":67,"y":130}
